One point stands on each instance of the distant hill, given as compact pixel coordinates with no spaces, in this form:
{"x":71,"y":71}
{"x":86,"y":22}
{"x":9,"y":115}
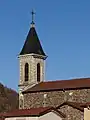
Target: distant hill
{"x":8,"y":99}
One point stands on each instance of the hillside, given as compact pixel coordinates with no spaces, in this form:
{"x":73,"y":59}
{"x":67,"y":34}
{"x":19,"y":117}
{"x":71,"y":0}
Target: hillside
{"x":8,"y":99}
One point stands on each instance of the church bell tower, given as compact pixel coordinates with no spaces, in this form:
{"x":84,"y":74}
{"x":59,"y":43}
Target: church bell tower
{"x":31,"y":62}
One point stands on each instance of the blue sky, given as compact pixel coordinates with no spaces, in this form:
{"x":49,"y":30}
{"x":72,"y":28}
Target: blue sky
{"x":63,"y":27}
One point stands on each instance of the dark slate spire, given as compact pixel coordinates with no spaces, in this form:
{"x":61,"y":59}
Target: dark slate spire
{"x":32,"y":43}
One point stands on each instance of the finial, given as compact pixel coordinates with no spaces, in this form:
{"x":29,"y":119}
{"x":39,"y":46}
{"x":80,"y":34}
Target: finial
{"x":32,"y":23}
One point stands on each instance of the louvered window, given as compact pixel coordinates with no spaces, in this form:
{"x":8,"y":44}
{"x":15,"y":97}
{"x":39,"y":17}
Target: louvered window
{"x":38,"y":72}
{"x":26,"y":72}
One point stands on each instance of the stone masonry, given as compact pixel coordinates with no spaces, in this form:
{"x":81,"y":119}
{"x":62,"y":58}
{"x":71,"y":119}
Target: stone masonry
{"x":32,"y":68}
{"x":71,"y":113}
{"x":55,"y":98}
{"x":32,"y":61}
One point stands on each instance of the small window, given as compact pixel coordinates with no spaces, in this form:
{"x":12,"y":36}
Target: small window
{"x":26,"y":72}
{"x":38,"y":72}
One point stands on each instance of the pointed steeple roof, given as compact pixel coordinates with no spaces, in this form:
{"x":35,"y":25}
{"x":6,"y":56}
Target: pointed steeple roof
{"x":32,"y":44}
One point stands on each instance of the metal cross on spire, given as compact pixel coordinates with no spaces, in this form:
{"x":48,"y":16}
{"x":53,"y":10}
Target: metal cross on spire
{"x":33,"y":13}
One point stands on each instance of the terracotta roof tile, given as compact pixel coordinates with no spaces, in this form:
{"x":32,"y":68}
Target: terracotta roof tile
{"x":85,"y":104}
{"x":30,"y":112}
{"x":80,"y":83}
{"x":72,"y":104}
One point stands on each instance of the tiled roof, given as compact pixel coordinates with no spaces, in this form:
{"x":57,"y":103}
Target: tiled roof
{"x":80,"y":83}
{"x":31,"y":112}
{"x":79,"y":106}
{"x":2,"y":118}
{"x":32,"y":44}
{"x":85,"y":104}
{"x":72,"y":104}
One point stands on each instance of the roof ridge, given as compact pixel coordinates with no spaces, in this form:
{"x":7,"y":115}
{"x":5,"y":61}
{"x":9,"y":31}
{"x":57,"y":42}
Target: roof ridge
{"x":82,"y":83}
{"x":67,"y":79}
{"x":72,"y":104}
{"x":31,"y":112}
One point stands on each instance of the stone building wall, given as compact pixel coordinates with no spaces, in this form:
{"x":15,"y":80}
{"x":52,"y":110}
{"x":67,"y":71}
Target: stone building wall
{"x":55,"y":98}
{"x":71,"y":113}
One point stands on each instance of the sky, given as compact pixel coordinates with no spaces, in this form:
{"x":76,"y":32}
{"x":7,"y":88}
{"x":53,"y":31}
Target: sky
{"x":63,"y":27}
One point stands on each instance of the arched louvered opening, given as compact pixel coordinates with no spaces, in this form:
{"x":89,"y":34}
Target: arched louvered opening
{"x":38,"y":72}
{"x":26,"y":72}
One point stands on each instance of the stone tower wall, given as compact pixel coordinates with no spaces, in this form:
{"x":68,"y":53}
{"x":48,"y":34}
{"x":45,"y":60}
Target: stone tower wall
{"x":23,"y":85}
{"x":32,"y":68}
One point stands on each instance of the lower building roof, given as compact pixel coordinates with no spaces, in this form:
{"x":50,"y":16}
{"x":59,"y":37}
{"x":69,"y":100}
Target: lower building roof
{"x":32,"y":112}
{"x":75,"y":105}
